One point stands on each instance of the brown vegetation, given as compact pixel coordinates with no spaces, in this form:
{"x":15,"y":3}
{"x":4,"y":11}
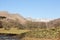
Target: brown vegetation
{"x":38,"y":29}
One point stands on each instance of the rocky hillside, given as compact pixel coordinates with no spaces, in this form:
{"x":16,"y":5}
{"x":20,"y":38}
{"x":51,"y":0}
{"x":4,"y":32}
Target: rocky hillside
{"x":54,"y":23}
{"x":14,"y":19}
{"x":9,"y":16}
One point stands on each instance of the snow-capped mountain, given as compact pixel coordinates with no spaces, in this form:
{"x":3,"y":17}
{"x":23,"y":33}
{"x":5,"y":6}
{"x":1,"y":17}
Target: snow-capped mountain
{"x":39,"y":19}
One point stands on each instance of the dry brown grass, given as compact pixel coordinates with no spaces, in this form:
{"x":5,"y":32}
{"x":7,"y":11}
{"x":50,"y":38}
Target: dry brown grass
{"x":28,"y":38}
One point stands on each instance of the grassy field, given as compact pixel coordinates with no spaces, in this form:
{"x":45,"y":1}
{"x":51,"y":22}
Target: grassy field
{"x":13,"y":31}
{"x":45,"y":33}
{"x":37,"y":34}
{"x":28,"y":38}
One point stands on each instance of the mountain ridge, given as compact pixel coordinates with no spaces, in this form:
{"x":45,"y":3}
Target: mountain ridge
{"x":22,"y":19}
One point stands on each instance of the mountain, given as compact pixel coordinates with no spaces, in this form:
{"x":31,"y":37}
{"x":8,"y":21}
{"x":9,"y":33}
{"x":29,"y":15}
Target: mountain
{"x":54,"y":23}
{"x":16,"y":17}
{"x":21,"y":19}
{"x":39,"y":19}
{"x":18,"y":20}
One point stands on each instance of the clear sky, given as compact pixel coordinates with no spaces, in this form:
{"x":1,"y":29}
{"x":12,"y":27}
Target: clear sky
{"x":32,"y":8}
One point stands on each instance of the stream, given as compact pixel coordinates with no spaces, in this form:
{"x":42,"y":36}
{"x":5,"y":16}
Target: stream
{"x":3,"y":37}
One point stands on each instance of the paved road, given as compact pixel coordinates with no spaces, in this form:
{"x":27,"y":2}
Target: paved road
{"x":8,"y":38}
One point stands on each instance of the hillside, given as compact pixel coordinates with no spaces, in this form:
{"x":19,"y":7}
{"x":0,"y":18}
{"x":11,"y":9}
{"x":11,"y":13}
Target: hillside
{"x":9,"y":16}
{"x":39,"y":29}
{"x":28,"y":23}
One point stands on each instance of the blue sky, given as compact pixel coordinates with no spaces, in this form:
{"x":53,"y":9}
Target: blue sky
{"x":32,"y":8}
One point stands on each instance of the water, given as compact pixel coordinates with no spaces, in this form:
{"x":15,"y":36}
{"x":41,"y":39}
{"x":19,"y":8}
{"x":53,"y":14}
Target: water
{"x":2,"y":37}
